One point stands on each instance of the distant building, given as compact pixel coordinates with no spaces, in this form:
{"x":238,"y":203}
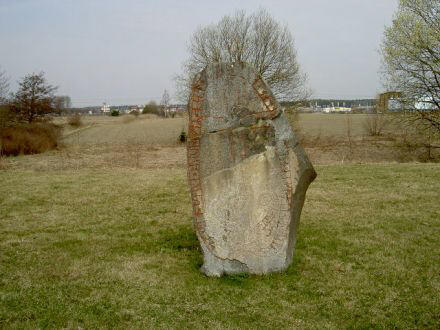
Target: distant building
{"x":336,"y":110}
{"x":105,"y":108}
{"x":389,"y":101}
{"x":425,"y":103}
{"x":134,"y":109}
{"x":394,"y":105}
{"x":173,"y":110}
{"x":394,"y":102}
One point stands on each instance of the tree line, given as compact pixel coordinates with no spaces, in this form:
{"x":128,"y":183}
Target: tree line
{"x":322,"y":103}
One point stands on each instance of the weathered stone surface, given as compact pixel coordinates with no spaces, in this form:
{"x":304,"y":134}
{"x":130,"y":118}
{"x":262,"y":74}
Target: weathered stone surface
{"x":248,"y":175}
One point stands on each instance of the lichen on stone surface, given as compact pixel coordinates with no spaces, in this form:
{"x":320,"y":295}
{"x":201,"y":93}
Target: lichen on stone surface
{"x":247,"y":172}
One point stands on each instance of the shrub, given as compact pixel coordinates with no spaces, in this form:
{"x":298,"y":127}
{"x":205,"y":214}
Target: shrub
{"x":151,"y":108}
{"x":375,"y":124}
{"x":134,"y":113}
{"x":114,"y":113}
{"x":7,"y":118}
{"x":182,"y":137}
{"x":75,"y":120}
{"x":29,"y":139}
{"x":418,"y":143}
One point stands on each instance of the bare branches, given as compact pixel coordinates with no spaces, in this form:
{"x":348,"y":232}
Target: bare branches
{"x":4,"y":86}
{"x":165,"y":103}
{"x":34,"y":98}
{"x":411,"y":53}
{"x":256,"y":39}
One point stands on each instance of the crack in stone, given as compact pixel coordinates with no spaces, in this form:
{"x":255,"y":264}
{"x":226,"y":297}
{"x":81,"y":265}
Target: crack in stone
{"x":246,"y":169}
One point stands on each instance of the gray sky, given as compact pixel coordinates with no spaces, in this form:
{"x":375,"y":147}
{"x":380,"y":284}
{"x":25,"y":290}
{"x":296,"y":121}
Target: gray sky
{"x":127,"y":51}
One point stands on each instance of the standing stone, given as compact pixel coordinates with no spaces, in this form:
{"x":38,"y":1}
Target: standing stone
{"x":247,"y":172}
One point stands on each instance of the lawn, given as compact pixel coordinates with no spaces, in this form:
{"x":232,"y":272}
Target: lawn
{"x":114,"y":248}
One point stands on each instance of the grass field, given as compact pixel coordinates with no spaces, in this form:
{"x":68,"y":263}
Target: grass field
{"x":105,"y":129}
{"x":127,"y":129}
{"x":98,"y":234}
{"x":116,"y":249}
{"x":328,"y":138}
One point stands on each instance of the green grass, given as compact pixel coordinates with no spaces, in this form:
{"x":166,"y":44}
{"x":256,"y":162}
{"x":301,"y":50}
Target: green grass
{"x":116,"y":249}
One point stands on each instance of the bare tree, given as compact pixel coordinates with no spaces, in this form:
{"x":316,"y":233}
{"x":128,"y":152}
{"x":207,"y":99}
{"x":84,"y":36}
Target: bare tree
{"x":4,"y":87}
{"x":165,"y":103}
{"x":62,"y":102}
{"x":376,"y":123}
{"x":411,"y":56}
{"x":34,"y":98}
{"x":5,"y":115}
{"x":256,"y":39}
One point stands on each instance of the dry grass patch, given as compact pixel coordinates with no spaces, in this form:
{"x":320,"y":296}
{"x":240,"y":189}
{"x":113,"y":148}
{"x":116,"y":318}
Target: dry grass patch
{"x":358,"y":138}
{"x":124,"y":156}
{"x":25,"y":139}
{"x":106,"y":142}
{"x":126,"y":119}
{"x":332,"y":125}
{"x":75,"y":120}
{"x":147,"y":131}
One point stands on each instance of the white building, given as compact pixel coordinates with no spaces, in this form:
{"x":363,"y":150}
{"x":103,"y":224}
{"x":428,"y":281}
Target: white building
{"x":105,"y":108}
{"x":425,"y":103}
{"x":336,"y":109}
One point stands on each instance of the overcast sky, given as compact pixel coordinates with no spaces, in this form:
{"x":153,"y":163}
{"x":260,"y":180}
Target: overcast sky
{"x":127,"y":51}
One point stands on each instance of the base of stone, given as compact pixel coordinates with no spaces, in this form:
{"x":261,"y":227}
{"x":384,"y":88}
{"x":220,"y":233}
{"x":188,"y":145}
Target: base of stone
{"x":217,"y":267}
